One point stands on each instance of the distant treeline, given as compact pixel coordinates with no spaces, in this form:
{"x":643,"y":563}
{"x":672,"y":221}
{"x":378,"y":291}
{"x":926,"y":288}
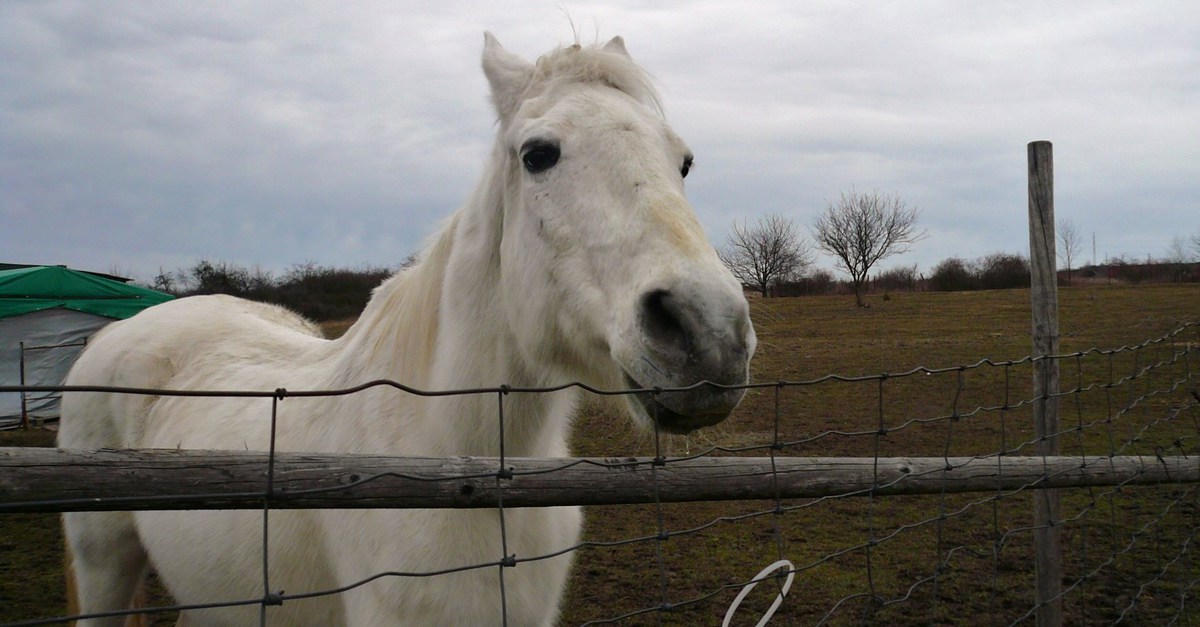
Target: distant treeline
{"x":322,"y":294}
{"x":997,"y":271}
{"x":316,"y":292}
{"x":1123,"y":270}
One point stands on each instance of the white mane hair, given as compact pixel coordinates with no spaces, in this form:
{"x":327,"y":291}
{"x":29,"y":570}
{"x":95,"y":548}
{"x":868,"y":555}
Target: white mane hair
{"x":576,"y":258}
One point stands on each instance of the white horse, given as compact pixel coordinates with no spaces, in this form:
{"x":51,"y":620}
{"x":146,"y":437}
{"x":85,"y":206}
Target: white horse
{"x":577,"y":258}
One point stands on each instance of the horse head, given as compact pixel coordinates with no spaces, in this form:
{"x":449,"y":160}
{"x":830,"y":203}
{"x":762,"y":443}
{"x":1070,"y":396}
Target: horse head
{"x":596,"y":221}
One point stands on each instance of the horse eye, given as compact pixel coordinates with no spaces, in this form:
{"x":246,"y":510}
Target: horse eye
{"x":539,"y":156}
{"x":687,"y":167}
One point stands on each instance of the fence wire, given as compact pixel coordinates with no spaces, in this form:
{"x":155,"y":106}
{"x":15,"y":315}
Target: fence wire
{"x":861,"y":556}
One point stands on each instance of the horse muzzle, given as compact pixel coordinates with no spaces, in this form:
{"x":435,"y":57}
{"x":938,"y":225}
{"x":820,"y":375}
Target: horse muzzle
{"x":695,"y":348}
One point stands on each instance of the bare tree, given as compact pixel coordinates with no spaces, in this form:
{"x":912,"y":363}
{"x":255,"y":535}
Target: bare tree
{"x":859,"y":230}
{"x":1185,"y":249}
{"x":763,"y":254}
{"x":1177,"y":251}
{"x":165,"y":282}
{"x":1068,"y":244}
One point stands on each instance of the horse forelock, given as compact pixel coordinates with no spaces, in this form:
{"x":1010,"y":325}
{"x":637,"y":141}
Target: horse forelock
{"x":595,"y":64}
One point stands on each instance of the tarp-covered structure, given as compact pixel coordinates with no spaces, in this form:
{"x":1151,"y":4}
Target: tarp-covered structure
{"x":47,"y":314}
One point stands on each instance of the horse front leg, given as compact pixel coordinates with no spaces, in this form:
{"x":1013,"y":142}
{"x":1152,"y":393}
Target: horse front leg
{"x":106,"y":563}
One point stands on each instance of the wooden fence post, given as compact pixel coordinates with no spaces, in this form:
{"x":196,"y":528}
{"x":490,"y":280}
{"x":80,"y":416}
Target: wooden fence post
{"x":1044,"y":301}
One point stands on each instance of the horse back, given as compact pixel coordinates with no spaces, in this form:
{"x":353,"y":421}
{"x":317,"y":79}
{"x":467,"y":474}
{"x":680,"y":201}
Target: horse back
{"x":204,"y":342}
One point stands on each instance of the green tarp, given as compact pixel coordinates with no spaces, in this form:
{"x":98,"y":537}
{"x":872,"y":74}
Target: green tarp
{"x":26,"y":290}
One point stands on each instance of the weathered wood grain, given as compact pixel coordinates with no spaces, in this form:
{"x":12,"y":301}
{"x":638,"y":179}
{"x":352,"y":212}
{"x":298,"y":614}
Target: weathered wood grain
{"x":50,"y":480}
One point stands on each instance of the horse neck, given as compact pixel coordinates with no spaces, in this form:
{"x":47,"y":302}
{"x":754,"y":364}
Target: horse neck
{"x":436,"y":326}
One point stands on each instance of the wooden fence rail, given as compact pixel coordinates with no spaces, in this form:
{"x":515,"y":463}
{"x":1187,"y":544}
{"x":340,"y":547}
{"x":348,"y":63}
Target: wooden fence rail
{"x":50,"y":480}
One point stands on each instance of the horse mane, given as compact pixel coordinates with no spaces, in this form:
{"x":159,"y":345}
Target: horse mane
{"x":595,"y":63}
{"x":411,"y":296}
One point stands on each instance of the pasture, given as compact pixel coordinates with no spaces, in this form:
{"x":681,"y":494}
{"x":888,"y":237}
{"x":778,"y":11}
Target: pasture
{"x":939,"y":559}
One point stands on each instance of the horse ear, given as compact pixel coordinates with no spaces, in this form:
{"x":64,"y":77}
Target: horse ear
{"x":507,"y":73}
{"x":617,"y":45}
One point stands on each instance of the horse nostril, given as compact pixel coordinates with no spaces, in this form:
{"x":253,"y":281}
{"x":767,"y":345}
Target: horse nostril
{"x":662,"y":321}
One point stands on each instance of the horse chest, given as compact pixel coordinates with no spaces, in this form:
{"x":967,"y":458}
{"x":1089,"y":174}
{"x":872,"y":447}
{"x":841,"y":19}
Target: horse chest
{"x":422,"y":541}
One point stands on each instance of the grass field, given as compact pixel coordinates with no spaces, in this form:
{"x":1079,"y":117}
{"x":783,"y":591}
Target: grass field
{"x":939,"y":559}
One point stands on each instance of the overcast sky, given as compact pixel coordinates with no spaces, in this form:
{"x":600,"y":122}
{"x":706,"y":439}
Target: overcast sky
{"x":136,"y":136}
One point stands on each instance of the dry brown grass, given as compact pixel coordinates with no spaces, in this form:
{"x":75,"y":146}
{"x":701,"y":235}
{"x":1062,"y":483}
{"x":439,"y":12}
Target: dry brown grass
{"x":983,"y":545}
{"x":971,"y":566}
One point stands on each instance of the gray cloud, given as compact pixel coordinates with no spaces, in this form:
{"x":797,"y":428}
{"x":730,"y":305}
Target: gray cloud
{"x":134,"y":136}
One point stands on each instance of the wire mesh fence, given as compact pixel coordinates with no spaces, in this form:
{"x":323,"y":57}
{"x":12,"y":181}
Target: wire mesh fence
{"x":956,"y":546}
